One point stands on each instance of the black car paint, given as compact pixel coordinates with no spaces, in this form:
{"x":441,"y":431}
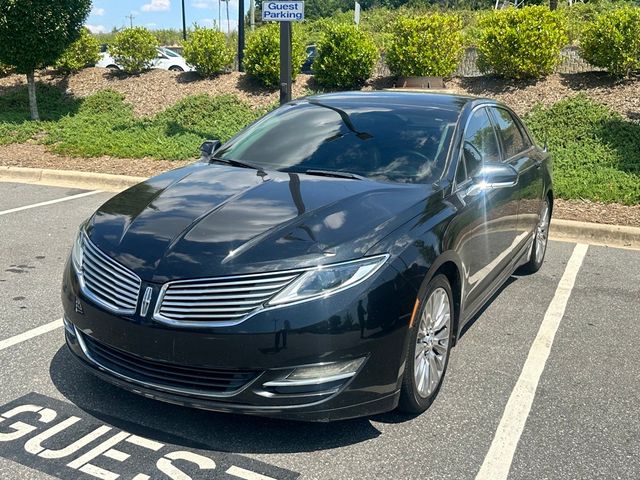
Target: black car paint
{"x":185,"y":224}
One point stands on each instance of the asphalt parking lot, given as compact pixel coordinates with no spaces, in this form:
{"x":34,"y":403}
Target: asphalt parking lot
{"x":505,"y":407}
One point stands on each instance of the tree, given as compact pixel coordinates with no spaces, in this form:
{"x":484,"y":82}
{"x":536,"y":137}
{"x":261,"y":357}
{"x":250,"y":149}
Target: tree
{"x":35,"y":33}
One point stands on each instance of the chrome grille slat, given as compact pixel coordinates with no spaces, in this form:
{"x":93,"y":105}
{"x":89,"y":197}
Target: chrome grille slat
{"x":198,"y":303}
{"x":109,"y":261}
{"x":219,"y":300}
{"x":108,"y":283}
{"x":240,"y":282}
{"x":103,"y":280}
{"x":117,"y":274}
{"x":237,"y":289}
{"x":205,"y":310}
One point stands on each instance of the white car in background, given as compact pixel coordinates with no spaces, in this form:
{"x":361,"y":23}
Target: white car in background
{"x":166,"y":60}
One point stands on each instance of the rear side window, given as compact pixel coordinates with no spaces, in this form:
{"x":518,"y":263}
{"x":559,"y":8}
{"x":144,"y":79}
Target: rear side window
{"x":513,"y":141}
{"x":480,"y":145}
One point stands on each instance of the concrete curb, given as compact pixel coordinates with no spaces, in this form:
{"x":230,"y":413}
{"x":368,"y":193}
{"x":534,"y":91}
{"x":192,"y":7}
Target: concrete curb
{"x":567,"y":230}
{"x":595,"y":233}
{"x":69,"y":178}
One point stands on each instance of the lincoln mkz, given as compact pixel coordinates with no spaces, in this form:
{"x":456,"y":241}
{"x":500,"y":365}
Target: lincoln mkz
{"x":320,"y":265}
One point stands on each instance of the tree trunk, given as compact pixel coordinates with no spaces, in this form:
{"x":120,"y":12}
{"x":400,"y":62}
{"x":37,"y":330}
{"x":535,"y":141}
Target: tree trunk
{"x":553,"y":4}
{"x":33,"y":101}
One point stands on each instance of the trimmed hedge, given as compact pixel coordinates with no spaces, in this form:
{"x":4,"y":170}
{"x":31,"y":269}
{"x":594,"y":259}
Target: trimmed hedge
{"x":345,"y":58}
{"x":134,"y":49}
{"x":521,"y":42}
{"x":262,"y":54}
{"x":208,"y":51}
{"x":84,"y":52}
{"x":429,"y":45}
{"x":612,"y":41}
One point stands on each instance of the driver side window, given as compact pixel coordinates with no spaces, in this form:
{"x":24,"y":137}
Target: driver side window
{"x":480,"y":145}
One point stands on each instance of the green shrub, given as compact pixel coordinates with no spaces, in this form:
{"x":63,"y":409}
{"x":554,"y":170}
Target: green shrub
{"x":596,"y":151}
{"x":428,"y":45}
{"x":262,"y":54}
{"x":521,"y":42}
{"x":82,"y":53}
{"x":345,"y":56}
{"x":134,"y":49}
{"x":208,"y":51}
{"x":612,"y":41}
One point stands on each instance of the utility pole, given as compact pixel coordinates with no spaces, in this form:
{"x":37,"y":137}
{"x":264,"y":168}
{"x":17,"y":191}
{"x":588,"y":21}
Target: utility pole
{"x":220,"y":15}
{"x":130,"y":17}
{"x":184,"y":22}
{"x":240,"y":35}
{"x":252,"y":14}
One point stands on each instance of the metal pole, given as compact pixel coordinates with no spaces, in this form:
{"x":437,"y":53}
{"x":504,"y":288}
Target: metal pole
{"x":240,"y":35}
{"x":220,"y":15}
{"x":184,"y":22}
{"x":285,"y":62}
{"x":252,"y":14}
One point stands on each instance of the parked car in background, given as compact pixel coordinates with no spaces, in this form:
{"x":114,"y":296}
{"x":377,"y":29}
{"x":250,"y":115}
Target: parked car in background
{"x":167,"y":59}
{"x":318,"y":266}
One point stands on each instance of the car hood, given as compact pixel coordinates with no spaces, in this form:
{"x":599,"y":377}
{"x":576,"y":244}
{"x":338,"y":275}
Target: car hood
{"x":209,"y":220}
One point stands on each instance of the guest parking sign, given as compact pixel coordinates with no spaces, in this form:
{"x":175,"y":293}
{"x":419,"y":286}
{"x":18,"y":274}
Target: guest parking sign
{"x":281,"y":11}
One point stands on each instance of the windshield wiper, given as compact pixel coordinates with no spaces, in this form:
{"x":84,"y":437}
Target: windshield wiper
{"x":334,"y":173}
{"x":238,"y":163}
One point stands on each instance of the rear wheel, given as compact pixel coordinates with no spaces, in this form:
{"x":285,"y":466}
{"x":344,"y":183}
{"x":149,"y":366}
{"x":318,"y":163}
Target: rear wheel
{"x":428,"y":353}
{"x":540,"y":238}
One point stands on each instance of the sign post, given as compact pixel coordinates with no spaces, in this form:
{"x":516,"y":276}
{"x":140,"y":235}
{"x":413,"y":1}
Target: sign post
{"x":284,"y":12}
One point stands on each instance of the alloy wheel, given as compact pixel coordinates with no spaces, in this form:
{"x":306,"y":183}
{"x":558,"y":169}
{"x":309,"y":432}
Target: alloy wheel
{"x":432,"y":343}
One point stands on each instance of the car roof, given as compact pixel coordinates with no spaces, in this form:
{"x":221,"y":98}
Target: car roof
{"x":440,"y":100}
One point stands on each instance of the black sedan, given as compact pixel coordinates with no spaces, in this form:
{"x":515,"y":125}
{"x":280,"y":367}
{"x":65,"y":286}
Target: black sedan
{"x":318,"y":266}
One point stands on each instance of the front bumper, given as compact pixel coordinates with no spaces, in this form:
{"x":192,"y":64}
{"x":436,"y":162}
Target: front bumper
{"x":359,"y":322}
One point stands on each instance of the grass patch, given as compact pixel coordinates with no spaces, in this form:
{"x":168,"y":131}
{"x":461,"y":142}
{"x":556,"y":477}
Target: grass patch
{"x":104,"y":124}
{"x":596,"y":151}
{"x":15,"y":121}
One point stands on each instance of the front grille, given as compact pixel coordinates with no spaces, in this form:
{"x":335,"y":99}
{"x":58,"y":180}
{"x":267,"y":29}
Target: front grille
{"x":107,"y":282}
{"x":219,"y":300}
{"x":167,"y":376}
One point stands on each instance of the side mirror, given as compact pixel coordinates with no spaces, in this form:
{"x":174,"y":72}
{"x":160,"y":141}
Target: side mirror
{"x":208,"y":148}
{"x":493,"y":176}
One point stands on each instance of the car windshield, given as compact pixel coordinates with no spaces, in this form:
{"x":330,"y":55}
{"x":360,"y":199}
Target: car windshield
{"x":169,"y":53}
{"x":395,"y":143}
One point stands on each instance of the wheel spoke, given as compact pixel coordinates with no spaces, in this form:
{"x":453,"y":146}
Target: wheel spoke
{"x":434,"y":375}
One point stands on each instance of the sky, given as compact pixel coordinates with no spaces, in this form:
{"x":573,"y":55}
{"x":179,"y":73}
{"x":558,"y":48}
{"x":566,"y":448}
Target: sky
{"x":152,"y":14}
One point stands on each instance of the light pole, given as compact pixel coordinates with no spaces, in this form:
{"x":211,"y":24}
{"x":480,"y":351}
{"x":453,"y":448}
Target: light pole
{"x":240,"y":35}
{"x":184,"y":23}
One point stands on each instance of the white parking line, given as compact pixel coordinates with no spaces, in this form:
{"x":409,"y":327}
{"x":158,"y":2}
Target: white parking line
{"x":34,"y":332}
{"x":49,"y":202}
{"x":497,"y":463}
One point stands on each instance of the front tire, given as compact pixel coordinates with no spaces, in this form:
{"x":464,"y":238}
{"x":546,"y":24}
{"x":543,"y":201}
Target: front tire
{"x":176,"y":68}
{"x":540,"y":239}
{"x":430,"y":341}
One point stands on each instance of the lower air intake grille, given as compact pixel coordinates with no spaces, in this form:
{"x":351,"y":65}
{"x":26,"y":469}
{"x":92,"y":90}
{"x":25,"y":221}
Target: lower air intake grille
{"x":199,"y":381}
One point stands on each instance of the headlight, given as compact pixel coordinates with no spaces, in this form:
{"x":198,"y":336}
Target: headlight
{"x":76,"y":251}
{"x":329,"y":279}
